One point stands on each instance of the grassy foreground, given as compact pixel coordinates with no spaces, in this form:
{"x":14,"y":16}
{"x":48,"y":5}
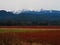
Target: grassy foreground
{"x":29,"y":36}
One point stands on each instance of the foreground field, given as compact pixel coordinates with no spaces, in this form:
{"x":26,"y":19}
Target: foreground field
{"x":29,"y":36}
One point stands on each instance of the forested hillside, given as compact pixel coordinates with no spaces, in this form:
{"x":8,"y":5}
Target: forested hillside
{"x":30,"y":18}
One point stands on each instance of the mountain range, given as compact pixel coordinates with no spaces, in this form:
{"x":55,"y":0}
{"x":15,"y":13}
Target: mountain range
{"x":42,"y":16}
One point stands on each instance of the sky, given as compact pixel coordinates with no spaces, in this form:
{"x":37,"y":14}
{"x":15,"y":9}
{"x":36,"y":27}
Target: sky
{"x":15,"y":5}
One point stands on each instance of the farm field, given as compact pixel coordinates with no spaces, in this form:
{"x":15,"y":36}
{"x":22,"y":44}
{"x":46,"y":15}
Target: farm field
{"x":29,"y":36}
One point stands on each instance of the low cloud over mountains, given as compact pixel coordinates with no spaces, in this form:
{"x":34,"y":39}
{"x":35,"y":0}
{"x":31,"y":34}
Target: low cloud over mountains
{"x":43,"y":17}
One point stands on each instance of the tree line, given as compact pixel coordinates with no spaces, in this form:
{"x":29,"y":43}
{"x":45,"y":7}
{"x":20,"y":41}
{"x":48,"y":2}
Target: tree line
{"x":30,"y":18}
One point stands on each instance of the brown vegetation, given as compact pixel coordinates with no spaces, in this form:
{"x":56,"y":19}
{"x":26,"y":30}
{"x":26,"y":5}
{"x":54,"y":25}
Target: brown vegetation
{"x":32,"y":38}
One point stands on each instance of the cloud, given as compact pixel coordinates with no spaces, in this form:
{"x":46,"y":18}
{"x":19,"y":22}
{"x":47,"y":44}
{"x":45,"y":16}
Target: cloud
{"x":29,"y":4}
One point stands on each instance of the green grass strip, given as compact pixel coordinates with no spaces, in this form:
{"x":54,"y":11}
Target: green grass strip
{"x":24,"y":30}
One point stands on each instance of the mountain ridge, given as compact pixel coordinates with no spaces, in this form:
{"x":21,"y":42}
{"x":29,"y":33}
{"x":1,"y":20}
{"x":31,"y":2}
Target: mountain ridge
{"x":26,"y":17}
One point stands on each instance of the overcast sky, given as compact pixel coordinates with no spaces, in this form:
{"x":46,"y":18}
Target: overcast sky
{"x":29,"y":4}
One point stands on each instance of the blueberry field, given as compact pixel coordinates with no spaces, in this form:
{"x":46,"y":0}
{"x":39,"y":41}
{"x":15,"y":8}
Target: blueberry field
{"x":29,"y":36}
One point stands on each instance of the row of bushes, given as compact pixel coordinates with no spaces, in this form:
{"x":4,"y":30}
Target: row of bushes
{"x":22,"y":23}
